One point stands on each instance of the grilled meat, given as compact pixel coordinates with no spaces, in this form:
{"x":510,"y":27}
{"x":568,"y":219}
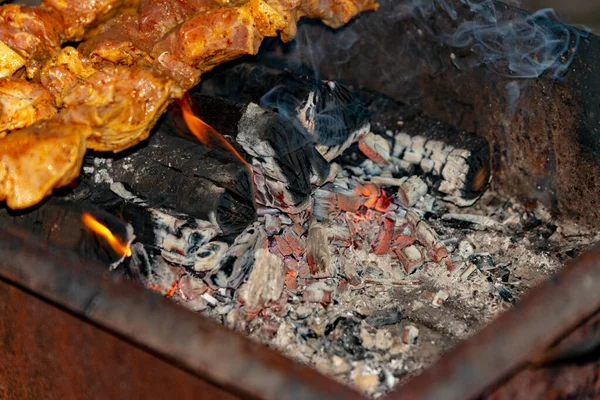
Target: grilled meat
{"x":118,"y":83}
{"x":35,"y":160}
{"x":22,"y":103}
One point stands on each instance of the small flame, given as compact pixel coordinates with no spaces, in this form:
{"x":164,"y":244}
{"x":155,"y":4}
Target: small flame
{"x":95,"y":226}
{"x":204,"y":132}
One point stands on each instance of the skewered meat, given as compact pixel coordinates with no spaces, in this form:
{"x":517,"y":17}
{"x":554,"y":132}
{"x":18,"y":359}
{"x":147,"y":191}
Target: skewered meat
{"x":119,"y":103}
{"x":36,"y":33}
{"x":118,"y":83}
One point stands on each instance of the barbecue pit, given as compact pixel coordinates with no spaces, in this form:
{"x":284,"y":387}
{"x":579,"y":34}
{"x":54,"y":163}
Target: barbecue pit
{"x":360,"y":223}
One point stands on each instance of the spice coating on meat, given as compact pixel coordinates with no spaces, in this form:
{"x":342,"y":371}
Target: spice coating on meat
{"x":35,"y":160}
{"x":22,"y":103}
{"x":118,"y":83}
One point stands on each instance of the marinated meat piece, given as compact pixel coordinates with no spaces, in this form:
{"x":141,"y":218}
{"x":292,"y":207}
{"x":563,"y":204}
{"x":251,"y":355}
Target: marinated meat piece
{"x":33,"y":32}
{"x":37,"y":33}
{"x":336,"y":13}
{"x":22,"y":103}
{"x":120,"y":103}
{"x":120,"y":82}
{"x":81,"y":16}
{"x":10,"y":61}
{"x":215,"y":37}
{"x":35,"y":160}
{"x":159,"y":17}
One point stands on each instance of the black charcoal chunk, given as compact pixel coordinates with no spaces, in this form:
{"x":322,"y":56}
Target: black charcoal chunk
{"x":385,"y":317}
{"x":176,"y":172}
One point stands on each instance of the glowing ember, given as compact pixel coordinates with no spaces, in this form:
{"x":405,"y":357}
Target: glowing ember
{"x":204,"y":132}
{"x":95,"y":226}
{"x":172,"y":290}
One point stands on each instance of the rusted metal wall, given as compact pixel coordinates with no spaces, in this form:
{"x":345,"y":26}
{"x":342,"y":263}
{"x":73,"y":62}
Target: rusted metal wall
{"x":546,"y":142}
{"x":586,"y":12}
{"x":48,"y":353}
{"x":143,"y":318}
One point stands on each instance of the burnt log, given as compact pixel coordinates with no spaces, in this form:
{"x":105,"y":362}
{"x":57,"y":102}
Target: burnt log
{"x":332,"y":115}
{"x":455,"y":163}
{"x":282,"y":156}
{"x":174,"y":171}
{"x":60,"y":223}
{"x":178,"y":238}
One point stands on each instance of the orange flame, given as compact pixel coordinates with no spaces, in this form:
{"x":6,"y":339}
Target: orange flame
{"x":204,"y":132}
{"x":95,"y":226}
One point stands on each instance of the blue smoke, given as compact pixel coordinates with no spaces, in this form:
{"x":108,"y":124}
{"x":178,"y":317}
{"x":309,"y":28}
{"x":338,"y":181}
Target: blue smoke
{"x":525,"y":46}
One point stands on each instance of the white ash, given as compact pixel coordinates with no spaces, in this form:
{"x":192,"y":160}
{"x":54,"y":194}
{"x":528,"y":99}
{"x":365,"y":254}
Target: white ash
{"x":323,"y":322}
{"x":366,"y":321}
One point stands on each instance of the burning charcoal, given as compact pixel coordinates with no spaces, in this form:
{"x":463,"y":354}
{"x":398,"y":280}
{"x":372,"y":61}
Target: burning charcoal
{"x":367,"y":383}
{"x":348,"y":200}
{"x":345,"y":331}
{"x":164,"y":277}
{"x":389,"y":316}
{"x":411,"y":258}
{"x":318,"y":254}
{"x":209,"y":256}
{"x":410,"y":335}
{"x":296,"y":242}
{"x":468,"y":271}
{"x":465,"y":249}
{"x":411,"y":191}
{"x":426,"y":236}
{"x":484,"y":262}
{"x":383,"y":340}
{"x":265,"y":282}
{"x":173,"y":170}
{"x":474,"y":220}
{"x":339,"y":366}
{"x":326,"y":205}
{"x":138,"y":267}
{"x":383,"y":240}
{"x":329,"y":112}
{"x":455,"y":163}
{"x":387,"y":181}
{"x":78,"y":227}
{"x":191,"y":287}
{"x":239,"y":258}
{"x":339,"y":235}
{"x":281,"y":247}
{"x":280,"y":154}
{"x":440,"y":298}
{"x":191,"y":290}
{"x":178,"y":237}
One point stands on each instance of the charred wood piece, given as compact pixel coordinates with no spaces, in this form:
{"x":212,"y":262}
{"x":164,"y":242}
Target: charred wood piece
{"x":60,"y":223}
{"x":265,"y":283}
{"x":178,"y":238}
{"x":281,"y":155}
{"x":453,"y":162}
{"x":330,"y":112}
{"x":238,"y":260}
{"x":318,"y":254}
{"x":176,"y":172}
{"x":411,"y":190}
